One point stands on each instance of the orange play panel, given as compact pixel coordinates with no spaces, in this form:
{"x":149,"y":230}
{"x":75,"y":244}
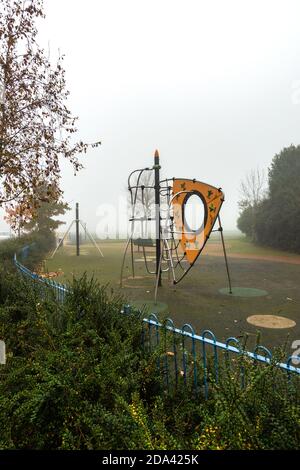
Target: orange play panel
{"x":193,"y":241}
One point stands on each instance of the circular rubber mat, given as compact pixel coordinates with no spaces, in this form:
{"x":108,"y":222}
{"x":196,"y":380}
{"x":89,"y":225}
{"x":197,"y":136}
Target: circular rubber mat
{"x":149,"y":306}
{"x":244,"y":292}
{"x":271,"y":321}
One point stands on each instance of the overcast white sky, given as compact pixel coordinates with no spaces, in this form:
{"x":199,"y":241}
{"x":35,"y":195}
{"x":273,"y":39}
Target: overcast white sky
{"x":214,"y":85}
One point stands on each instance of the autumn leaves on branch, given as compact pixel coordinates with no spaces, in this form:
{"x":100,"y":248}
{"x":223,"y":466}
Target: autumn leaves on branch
{"x":36,"y":127}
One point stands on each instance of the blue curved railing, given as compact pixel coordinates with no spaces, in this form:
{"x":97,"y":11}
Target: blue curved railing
{"x":201,"y":374}
{"x":186,"y":363}
{"x":59,"y":290}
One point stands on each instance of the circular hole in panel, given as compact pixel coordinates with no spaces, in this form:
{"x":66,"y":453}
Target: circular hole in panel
{"x":194,"y":213}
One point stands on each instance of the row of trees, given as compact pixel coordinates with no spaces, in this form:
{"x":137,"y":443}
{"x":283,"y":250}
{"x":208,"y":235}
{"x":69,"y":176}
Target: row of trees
{"x":36,"y":126}
{"x":270,"y":210}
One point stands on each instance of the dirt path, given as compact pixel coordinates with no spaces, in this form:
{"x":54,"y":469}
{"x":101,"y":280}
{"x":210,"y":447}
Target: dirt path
{"x":276,"y":259}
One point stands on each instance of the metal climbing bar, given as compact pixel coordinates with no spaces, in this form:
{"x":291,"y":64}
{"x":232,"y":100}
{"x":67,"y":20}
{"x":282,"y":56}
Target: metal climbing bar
{"x":176,"y":242}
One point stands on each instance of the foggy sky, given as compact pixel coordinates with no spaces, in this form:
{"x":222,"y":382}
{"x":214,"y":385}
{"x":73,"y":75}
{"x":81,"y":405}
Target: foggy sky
{"x":214,"y":85}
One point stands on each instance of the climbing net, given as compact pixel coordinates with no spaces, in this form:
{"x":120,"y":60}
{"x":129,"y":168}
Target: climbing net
{"x":159,"y":220}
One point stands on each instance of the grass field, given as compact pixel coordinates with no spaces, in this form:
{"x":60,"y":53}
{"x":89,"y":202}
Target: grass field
{"x":197,"y":299}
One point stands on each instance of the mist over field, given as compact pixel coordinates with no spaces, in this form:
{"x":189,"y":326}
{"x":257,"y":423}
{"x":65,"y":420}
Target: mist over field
{"x":213,"y":85}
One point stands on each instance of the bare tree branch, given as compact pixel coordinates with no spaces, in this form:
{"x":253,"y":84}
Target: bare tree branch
{"x":253,"y":188}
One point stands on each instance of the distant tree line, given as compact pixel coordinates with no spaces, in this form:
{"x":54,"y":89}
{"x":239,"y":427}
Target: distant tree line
{"x":270,"y":212}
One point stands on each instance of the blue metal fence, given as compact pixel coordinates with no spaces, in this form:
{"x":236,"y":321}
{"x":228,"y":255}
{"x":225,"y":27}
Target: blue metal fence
{"x":196,"y":359}
{"x":184,"y":355}
{"x":59,"y":290}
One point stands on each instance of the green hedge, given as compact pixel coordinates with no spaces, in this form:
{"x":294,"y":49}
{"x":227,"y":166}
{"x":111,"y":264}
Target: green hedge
{"x":77,"y":378}
{"x":40,"y":245}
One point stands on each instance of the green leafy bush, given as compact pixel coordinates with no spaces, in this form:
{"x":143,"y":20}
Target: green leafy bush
{"x":39,"y":245}
{"x":77,"y":377}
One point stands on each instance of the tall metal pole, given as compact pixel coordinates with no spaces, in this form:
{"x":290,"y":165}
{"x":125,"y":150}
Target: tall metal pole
{"x":157,"y":215}
{"x":77,"y":229}
{"x":225,"y":254}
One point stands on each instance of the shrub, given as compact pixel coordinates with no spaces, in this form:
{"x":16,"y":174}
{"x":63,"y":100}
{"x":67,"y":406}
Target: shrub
{"x":77,"y":378}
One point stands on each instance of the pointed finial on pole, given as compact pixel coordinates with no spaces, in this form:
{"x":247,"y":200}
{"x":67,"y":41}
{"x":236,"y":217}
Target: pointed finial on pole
{"x":156,"y":159}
